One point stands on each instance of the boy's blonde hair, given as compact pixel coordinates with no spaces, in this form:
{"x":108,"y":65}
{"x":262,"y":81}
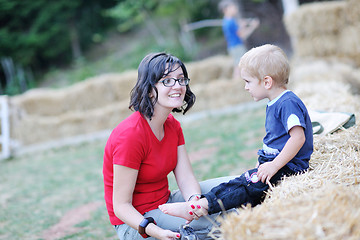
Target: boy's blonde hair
{"x":266,"y":60}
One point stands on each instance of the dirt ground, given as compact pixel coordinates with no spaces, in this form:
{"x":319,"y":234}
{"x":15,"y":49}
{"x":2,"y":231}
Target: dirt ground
{"x":67,"y":223}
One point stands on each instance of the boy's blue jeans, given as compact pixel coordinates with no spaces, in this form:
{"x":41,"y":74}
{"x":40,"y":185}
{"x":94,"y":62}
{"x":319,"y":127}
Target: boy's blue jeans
{"x":242,"y":190}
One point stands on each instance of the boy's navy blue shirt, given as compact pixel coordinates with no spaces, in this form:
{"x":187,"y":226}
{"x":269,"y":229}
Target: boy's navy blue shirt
{"x":283,"y":113}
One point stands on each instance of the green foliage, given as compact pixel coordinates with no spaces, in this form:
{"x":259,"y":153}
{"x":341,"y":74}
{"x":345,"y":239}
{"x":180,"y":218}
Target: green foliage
{"x":131,"y":13}
{"x":41,"y":33}
{"x":118,"y":60}
{"x":18,"y":78}
{"x":30,"y":34}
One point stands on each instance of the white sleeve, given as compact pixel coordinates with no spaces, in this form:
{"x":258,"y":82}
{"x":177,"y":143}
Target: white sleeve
{"x":293,"y":121}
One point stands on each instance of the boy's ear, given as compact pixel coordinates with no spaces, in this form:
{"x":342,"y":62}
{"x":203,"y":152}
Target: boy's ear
{"x":268,"y":82}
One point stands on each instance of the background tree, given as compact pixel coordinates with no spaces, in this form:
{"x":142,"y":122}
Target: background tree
{"x":163,"y":20}
{"x":39,"y":34}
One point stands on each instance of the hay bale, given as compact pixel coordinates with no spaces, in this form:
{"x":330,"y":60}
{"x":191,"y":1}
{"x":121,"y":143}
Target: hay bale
{"x":79,"y":109}
{"x":87,"y":95}
{"x":349,"y":43}
{"x":327,"y":85}
{"x":69,"y":124}
{"x":326,"y":29}
{"x":318,"y":45}
{"x":314,"y":19}
{"x":210,"y":69}
{"x":320,"y":204}
{"x":314,"y":69}
{"x":352,"y":12}
{"x":329,"y":211}
{"x":219,"y":93}
{"x":334,"y":98}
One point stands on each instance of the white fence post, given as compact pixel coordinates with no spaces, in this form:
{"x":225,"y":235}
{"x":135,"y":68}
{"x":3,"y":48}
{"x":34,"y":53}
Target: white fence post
{"x":5,"y":128}
{"x":290,"y":6}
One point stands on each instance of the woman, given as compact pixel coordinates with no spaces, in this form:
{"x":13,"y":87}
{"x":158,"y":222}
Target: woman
{"x":144,"y":148}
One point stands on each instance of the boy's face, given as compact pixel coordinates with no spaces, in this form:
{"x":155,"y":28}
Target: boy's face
{"x":255,"y":87}
{"x":231,"y":10}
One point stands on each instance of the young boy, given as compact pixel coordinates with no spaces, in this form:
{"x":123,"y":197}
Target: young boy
{"x":287,"y":146}
{"x":236,"y":31}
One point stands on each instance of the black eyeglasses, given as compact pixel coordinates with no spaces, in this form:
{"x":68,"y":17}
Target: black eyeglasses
{"x":169,"y":82}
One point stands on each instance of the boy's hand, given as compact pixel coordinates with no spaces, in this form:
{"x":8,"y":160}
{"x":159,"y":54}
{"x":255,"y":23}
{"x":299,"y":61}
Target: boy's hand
{"x":266,"y":171}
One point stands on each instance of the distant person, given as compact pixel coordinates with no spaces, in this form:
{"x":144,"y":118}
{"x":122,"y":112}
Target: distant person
{"x":287,"y":145}
{"x":236,"y":31}
{"x":144,"y":148}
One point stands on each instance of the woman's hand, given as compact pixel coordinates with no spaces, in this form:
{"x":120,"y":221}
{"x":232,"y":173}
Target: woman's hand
{"x":162,"y":234}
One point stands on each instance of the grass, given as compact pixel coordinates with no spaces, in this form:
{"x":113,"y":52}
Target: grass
{"x":227,"y":143}
{"x":37,"y":190}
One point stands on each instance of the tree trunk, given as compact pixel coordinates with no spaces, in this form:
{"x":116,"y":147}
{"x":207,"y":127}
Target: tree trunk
{"x":153,"y":29}
{"x":75,"y":42}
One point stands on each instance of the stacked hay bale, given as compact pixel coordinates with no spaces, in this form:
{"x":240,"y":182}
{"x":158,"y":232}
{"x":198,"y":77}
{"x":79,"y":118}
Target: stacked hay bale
{"x":100,"y":103}
{"x":323,"y":203}
{"x":324,"y":30}
{"x":327,"y":85}
{"x":213,"y":86}
{"x":49,"y":114}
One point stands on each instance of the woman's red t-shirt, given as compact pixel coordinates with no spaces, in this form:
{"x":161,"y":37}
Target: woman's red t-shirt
{"x":133,"y":144}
